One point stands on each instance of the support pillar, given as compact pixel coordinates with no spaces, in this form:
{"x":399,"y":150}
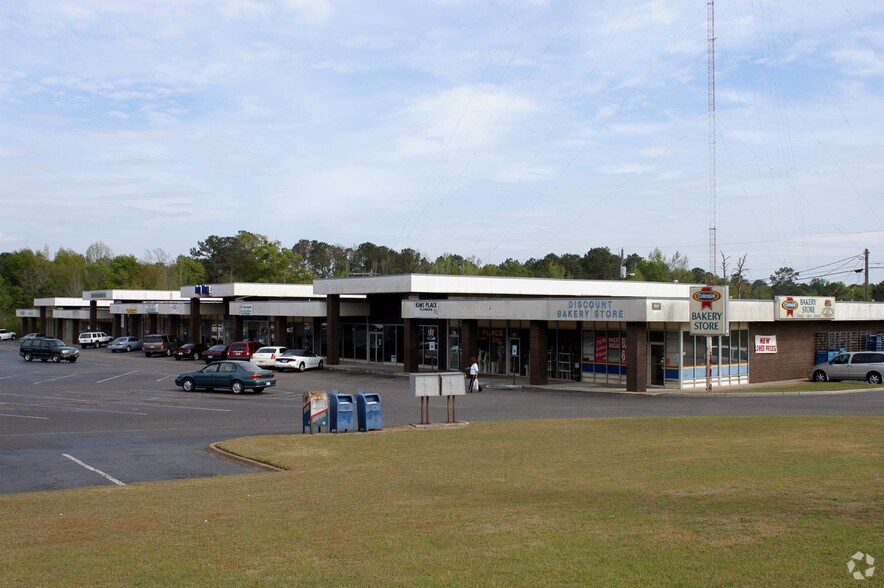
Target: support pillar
{"x":279,"y":329}
{"x":538,"y":355}
{"x":196,"y":324}
{"x":44,"y":321}
{"x":469,"y":341}
{"x":411,"y":344}
{"x":237,"y":329}
{"x":93,"y":315}
{"x":636,"y":357}
{"x":333,"y":329}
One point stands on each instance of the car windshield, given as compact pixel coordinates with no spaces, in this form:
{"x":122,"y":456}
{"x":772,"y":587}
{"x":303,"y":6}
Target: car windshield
{"x":120,"y":340}
{"x":218,"y":348}
{"x":295,"y":352}
{"x":250,"y":367}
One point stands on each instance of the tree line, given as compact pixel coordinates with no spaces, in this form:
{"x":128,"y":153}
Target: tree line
{"x":26,"y":274}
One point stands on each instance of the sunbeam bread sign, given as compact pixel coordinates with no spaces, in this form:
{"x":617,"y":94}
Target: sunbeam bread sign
{"x":709,"y":310}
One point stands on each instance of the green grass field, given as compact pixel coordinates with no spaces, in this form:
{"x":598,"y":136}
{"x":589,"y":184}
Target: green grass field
{"x":754,"y":501}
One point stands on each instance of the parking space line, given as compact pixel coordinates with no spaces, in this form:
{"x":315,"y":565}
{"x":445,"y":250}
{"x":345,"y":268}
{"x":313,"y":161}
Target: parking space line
{"x":115,"y":377}
{"x":21,"y":416}
{"x":165,"y":377}
{"x":97,"y":471}
{"x":59,"y":378}
{"x":176,"y":406}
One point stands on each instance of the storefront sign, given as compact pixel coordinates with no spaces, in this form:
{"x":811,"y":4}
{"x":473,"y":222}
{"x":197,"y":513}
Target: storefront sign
{"x":708,"y":306}
{"x":426,"y":307}
{"x":804,"y":307}
{"x":130,"y":310}
{"x":151,"y":308}
{"x":245,"y":310}
{"x":591,"y":309}
{"x":765,"y":343}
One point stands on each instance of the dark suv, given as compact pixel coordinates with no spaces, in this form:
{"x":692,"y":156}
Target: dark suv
{"x":159,"y":344}
{"x":46,"y":349}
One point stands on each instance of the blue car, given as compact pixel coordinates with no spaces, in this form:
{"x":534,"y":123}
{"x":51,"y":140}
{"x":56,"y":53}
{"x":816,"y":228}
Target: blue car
{"x":237,"y":376}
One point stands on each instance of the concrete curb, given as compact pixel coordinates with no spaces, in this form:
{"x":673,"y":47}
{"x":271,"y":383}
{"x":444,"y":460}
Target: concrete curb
{"x":213,"y":448}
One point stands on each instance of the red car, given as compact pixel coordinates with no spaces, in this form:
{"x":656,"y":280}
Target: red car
{"x":243,"y":350}
{"x":214,"y":353}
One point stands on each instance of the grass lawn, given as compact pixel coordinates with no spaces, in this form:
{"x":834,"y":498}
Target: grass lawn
{"x":743,"y":501}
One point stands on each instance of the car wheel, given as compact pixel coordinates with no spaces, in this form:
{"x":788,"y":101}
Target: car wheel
{"x":28,"y":356}
{"x":147,"y":354}
{"x":128,"y":348}
{"x":237,"y":387}
{"x":820,"y":376}
{"x":302,"y":367}
{"x":319,"y":367}
{"x":72,"y":359}
{"x":168,"y":352}
{"x":55,"y":358}
{"x":187,"y":384}
{"x":873,"y":378}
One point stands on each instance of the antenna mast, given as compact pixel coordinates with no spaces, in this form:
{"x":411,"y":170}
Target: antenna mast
{"x":710,"y":74}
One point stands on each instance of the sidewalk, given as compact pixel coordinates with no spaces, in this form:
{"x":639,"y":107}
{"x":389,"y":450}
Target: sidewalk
{"x":504,"y":382}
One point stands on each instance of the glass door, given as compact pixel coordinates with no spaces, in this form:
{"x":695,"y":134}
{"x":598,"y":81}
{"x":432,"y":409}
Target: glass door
{"x":376,"y":346}
{"x":657,"y":369}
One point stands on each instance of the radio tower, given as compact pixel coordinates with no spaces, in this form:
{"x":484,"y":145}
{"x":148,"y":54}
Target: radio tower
{"x":710,"y":75}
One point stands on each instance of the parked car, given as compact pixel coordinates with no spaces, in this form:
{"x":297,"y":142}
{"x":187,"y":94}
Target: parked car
{"x":230,"y":375}
{"x":853,"y":365}
{"x":46,"y":349}
{"x":298,"y":359}
{"x":265,"y":357}
{"x":6,"y":335}
{"x":93,"y":339}
{"x":161,"y":344}
{"x":243,"y":350}
{"x":125,"y":344}
{"x":189,"y":351}
{"x":215,"y":353}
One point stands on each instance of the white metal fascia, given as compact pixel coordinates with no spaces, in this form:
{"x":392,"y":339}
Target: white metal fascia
{"x":498,"y":286}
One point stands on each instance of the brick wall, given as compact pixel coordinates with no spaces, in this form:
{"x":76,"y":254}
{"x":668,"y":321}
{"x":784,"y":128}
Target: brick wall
{"x":796,"y":352}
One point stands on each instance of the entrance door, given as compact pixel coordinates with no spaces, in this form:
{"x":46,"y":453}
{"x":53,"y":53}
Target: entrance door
{"x":657,"y":359}
{"x":515,"y":356}
{"x":376,"y":346}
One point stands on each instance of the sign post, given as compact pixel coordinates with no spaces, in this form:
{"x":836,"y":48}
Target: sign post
{"x":709,"y":317}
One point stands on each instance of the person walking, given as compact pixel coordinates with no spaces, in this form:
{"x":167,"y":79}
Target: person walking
{"x":474,"y":376}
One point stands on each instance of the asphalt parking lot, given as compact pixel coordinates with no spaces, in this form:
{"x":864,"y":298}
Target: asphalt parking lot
{"x":119,"y":418}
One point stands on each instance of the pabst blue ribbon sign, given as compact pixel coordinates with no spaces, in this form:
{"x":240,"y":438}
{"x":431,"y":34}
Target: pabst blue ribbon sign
{"x":708,"y":306}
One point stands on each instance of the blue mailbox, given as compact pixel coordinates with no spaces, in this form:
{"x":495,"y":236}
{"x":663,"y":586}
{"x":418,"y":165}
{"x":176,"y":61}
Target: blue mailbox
{"x":369,"y":411}
{"x":342,"y":415}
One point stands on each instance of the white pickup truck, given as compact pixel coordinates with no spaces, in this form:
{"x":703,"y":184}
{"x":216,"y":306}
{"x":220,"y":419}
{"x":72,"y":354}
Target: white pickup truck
{"x":94,"y":339}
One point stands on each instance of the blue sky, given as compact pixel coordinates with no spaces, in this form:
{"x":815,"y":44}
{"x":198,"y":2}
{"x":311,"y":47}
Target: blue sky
{"x":492,"y":129}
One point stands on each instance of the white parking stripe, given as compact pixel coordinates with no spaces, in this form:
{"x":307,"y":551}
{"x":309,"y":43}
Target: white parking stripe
{"x":21,"y":416}
{"x":90,"y":468}
{"x":58,"y":378}
{"x":115,"y":377}
{"x":176,"y":406}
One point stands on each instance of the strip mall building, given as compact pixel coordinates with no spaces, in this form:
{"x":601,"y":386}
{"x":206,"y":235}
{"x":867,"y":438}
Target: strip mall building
{"x":635,"y":335}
